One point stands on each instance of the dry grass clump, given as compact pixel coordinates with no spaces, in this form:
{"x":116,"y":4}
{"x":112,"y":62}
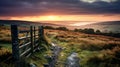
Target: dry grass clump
{"x":5,"y":58}
{"x":4,"y":53}
{"x":5,"y":35}
{"x":110,"y":58}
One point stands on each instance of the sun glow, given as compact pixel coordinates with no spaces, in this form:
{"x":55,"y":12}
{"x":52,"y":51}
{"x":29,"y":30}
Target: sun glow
{"x":50,"y":18}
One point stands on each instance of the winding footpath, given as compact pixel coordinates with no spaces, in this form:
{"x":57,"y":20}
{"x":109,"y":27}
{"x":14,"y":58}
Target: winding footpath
{"x":52,"y":60}
{"x":72,"y":59}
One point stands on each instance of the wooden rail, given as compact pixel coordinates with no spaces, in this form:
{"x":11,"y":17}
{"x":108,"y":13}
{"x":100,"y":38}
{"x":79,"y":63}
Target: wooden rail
{"x":25,"y":40}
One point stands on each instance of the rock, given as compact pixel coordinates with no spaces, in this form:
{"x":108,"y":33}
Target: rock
{"x":73,"y":60}
{"x":32,"y":65}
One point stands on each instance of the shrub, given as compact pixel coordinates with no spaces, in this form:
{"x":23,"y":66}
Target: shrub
{"x":62,"y":28}
{"x":98,"y":32}
{"x":49,"y":27}
{"x":86,"y":30}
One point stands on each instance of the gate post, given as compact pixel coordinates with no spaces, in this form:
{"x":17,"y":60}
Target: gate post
{"x":15,"y":43}
{"x":31,"y":38}
{"x":41,"y":33}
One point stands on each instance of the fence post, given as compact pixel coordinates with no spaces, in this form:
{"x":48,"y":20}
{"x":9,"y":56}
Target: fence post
{"x":41,"y":33}
{"x":15,"y":43}
{"x":31,"y":37}
{"x":34,"y":30}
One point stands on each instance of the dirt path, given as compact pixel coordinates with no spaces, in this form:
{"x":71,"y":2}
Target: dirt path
{"x":52,"y":60}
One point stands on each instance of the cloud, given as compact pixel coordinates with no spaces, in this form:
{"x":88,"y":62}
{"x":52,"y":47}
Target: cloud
{"x":65,"y":7}
{"x":92,"y":1}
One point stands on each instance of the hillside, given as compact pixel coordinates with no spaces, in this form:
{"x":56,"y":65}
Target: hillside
{"x":93,"y":50}
{"x":108,"y":23}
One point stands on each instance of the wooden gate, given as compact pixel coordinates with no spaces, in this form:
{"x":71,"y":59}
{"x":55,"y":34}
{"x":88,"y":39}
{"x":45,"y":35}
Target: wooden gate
{"x":25,"y":40}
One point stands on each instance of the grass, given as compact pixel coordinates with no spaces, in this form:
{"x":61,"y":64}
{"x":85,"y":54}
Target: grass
{"x":38,"y":58}
{"x":93,"y":50}
{"x":5,"y":55}
{"x":6,"y":45}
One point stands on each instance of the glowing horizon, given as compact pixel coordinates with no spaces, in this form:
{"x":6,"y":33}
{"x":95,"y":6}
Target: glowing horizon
{"x":95,"y":18}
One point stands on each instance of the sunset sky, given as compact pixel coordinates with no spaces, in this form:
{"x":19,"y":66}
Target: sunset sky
{"x":60,"y":10}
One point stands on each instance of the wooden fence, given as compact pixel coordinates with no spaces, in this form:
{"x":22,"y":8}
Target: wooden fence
{"x":25,"y":40}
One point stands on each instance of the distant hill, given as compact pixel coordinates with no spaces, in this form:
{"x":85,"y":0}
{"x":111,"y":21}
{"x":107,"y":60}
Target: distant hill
{"x":99,"y":23}
{"x":107,"y":23}
{"x":19,"y":22}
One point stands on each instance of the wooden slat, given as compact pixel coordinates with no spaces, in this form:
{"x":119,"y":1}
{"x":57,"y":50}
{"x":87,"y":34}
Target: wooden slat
{"x":34,"y":49}
{"x":36,"y":35}
{"x":37,"y":38}
{"x":28,"y":54}
{"x":36,"y":45}
{"x":22,"y":38}
{"x":24,"y":45}
{"x":26,"y":51}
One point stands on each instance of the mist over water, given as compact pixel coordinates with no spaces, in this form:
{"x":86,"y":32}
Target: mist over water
{"x":106,"y":27}
{"x":81,"y":23}
{"x":103,"y":28}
